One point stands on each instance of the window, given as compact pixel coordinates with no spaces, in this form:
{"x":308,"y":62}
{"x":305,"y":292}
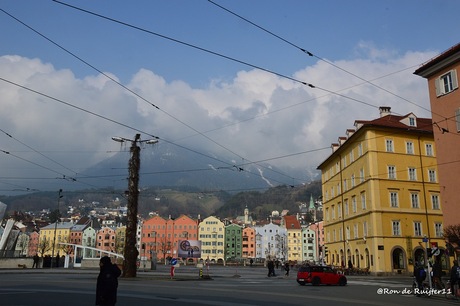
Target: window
{"x":355,"y":231}
{"x":360,"y":148}
{"x":391,"y":172}
{"x":333,"y":212}
{"x":327,"y":214}
{"x":339,"y":211}
{"x":412,"y":174}
{"x":429,"y":149}
{"x":435,"y":201}
{"x":353,"y":204}
{"x":365,"y":229}
{"x":363,"y":200}
{"x":394,"y":199}
{"x":432,"y":176}
{"x":389,"y":145}
{"x":438,"y":229}
{"x":346,"y":207}
{"x":348,"y":232}
{"x":409,"y":147}
{"x":396,"y":226}
{"x":361,"y":175}
{"x":446,"y":83}
{"x":345,"y":185}
{"x":414,"y":200}
{"x":352,"y":180}
{"x":412,"y":121}
{"x":457,"y":119}
{"x":417,"y":229}
{"x":352,"y":156}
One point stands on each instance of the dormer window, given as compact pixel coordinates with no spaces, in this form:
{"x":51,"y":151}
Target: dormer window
{"x":411,"y":121}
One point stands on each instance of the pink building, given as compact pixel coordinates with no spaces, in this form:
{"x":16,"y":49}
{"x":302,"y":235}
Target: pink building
{"x":105,"y":239}
{"x":442,"y":75}
{"x":162,"y":235}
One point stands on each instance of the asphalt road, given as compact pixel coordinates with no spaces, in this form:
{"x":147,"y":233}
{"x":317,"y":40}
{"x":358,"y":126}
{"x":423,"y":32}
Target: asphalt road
{"x":228,"y":286}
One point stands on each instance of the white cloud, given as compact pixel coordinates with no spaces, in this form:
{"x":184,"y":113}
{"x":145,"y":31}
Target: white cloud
{"x":258,"y":115}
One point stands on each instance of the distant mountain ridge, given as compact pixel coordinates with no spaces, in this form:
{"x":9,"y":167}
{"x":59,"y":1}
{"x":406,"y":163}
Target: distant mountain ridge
{"x":169,"y":165}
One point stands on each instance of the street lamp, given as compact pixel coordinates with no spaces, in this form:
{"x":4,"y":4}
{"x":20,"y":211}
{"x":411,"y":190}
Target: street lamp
{"x":130,"y":252}
{"x":58,"y":215}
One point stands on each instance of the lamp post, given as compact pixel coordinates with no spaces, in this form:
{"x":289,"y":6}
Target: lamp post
{"x":58,"y":216}
{"x":130,"y":252}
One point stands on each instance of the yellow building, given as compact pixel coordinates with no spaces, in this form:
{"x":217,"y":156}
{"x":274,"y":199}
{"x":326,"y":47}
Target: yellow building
{"x":211,"y":232}
{"x":294,"y":238}
{"x":381,"y":195}
{"x":48,"y":244}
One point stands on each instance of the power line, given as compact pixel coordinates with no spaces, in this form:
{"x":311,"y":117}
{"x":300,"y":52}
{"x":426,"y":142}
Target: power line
{"x":313,"y":55}
{"x":126,"y":88}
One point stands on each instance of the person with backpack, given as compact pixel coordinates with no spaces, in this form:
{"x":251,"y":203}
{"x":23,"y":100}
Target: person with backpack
{"x":454,"y":278}
{"x":420,"y":275}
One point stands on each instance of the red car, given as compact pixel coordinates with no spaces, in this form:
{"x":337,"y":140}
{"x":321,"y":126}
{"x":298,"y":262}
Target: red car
{"x":317,"y":275}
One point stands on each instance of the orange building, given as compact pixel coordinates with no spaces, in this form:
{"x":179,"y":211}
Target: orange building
{"x":249,"y":243}
{"x":105,"y":239}
{"x":162,"y":235}
{"x":442,"y":75}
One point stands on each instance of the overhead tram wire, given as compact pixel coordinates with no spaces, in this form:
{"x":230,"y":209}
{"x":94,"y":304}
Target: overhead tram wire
{"x":190,"y":45}
{"x":126,"y":88}
{"x":38,"y":152}
{"x":313,"y":55}
{"x":113,"y":121}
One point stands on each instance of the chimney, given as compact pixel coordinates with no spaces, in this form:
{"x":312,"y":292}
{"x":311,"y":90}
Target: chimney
{"x":384,"y":111}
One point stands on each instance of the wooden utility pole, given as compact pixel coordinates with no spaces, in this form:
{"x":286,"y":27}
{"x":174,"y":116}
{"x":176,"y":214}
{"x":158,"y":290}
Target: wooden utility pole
{"x":130,"y":252}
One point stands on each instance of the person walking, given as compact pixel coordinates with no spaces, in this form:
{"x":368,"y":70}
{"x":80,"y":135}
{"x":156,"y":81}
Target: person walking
{"x":454,"y":278}
{"x":107,"y":283}
{"x":286,"y":267}
{"x":420,"y":275}
{"x":36,"y":261}
{"x":271,"y":268}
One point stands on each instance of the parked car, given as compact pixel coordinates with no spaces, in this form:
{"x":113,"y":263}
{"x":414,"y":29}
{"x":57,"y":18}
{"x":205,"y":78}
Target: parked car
{"x":317,"y":275}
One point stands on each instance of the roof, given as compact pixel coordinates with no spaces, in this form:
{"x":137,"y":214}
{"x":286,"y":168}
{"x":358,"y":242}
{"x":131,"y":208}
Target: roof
{"x":393,"y":121}
{"x":291,"y":222}
{"x":397,"y":123}
{"x":425,"y":70}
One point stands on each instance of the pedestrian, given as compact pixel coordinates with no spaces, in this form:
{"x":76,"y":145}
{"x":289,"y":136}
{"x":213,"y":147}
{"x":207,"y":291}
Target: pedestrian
{"x":271,"y":268}
{"x":420,"y":275}
{"x":107,"y":283}
{"x":350,"y":267}
{"x":172,"y":263}
{"x":286,"y":267}
{"x":454,"y":277}
{"x":437,"y":273}
{"x":36,"y":261}
{"x":251,"y":261}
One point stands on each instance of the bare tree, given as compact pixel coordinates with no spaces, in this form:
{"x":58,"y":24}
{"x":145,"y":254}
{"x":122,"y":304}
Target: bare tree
{"x":452,"y":234}
{"x":44,"y":246}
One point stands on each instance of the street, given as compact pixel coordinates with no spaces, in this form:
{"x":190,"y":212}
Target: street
{"x":227,"y":286}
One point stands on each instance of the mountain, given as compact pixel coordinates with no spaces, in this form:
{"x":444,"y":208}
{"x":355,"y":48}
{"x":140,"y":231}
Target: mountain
{"x":168,"y":165}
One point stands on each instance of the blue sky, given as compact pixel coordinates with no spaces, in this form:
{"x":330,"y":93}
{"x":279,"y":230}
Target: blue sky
{"x":247,"y":110}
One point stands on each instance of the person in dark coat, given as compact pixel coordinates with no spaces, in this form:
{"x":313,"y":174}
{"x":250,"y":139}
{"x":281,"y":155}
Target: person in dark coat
{"x":420,"y":275}
{"x":107,"y":283}
{"x":286,"y":268}
{"x":271,"y":268}
{"x":454,"y":278}
{"x":36,"y":261}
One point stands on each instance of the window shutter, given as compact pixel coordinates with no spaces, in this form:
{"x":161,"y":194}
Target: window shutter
{"x":453,"y":74}
{"x":457,"y":119}
{"x":437,"y":85}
